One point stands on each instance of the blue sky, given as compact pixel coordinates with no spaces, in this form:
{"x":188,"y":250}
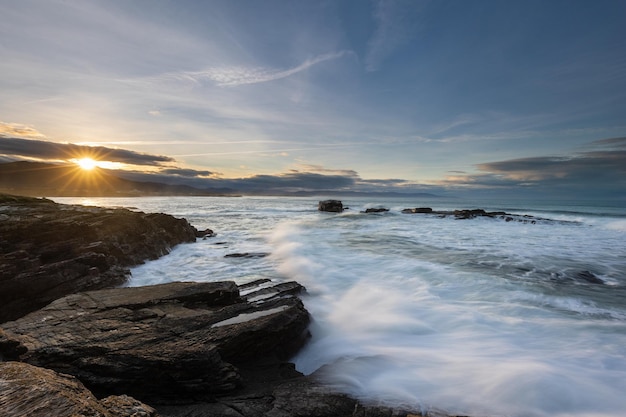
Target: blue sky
{"x":437,"y":96}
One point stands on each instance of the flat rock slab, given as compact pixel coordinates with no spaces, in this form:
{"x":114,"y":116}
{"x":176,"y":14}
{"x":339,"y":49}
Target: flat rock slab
{"x":49,"y":250}
{"x":164,"y":343}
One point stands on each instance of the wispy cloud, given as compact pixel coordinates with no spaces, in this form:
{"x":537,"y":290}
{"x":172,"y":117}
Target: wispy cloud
{"x":19,"y":130}
{"x":281,"y":150}
{"x":240,"y":75}
{"x":395,"y":26}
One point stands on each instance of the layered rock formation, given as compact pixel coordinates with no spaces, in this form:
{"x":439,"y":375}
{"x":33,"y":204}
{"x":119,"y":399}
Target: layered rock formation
{"x":172,"y":342}
{"x":49,"y":250}
{"x":187,"y":349}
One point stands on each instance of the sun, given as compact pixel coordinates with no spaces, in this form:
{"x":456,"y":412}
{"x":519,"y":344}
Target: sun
{"x":86,"y":163}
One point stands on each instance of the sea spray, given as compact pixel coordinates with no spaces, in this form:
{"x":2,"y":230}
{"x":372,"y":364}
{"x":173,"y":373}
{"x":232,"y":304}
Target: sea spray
{"x":479,"y":316}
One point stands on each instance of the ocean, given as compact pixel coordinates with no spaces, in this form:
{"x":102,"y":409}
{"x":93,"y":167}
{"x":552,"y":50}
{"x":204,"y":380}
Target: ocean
{"x":478,"y":316}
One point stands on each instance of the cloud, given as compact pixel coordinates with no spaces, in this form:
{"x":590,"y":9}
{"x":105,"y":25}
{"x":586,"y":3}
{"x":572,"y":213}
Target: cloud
{"x":40,"y":149}
{"x":619,"y":143}
{"x":321,"y":169}
{"x":19,"y":130}
{"x":189,"y":173}
{"x":235,"y":76}
{"x":278,"y":183}
{"x":592,"y":171}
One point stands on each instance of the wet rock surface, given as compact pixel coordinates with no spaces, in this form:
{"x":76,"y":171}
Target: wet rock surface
{"x":49,"y":250}
{"x":187,"y":349}
{"x":163,"y":343}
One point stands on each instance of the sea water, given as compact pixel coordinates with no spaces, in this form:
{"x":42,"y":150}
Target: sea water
{"x":479,"y":316}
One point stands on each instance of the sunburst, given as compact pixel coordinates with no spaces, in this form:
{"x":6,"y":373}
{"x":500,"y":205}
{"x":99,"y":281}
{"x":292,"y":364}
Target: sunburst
{"x":87,"y":163}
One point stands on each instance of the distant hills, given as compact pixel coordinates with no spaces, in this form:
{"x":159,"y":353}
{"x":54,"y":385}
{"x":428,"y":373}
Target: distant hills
{"x":45,"y":179}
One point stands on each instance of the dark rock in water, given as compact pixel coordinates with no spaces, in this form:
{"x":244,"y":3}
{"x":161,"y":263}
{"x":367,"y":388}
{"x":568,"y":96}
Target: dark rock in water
{"x":424,"y":210}
{"x":163,"y":343}
{"x":474,"y":213}
{"x":205,"y":233}
{"x":49,"y":250}
{"x":36,"y":392}
{"x":334,"y":206}
{"x":589,"y":277}
{"x":376,"y":210}
{"x":469,"y":214}
{"x":247,"y":255}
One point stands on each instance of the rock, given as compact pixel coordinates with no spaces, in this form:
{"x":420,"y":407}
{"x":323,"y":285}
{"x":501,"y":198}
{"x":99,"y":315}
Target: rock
{"x":296,"y":396}
{"x":163,"y":343}
{"x":334,"y":206}
{"x":205,"y":233}
{"x":474,"y":213}
{"x":247,"y":255}
{"x":418,"y":210}
{"x":469,"y":214}
{"x":50,"y":250}
{"x":376,"y":210}
{"x":27,"y":390}
{"x":126,"y":406}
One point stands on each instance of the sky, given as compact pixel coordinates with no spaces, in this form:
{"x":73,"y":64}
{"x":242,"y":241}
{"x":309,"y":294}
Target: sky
{"x":518,"y":97}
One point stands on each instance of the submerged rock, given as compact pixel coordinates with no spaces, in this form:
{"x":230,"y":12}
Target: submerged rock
{"x":247,"y":255}
{"x":588,"y":277}
{"x":49,"y":250}
{"x":334,"y":206}
{"x":164,"y":343}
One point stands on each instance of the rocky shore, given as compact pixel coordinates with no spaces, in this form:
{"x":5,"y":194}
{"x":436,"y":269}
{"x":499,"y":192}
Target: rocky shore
{"x":48,"y":250}
{"x":72,"y":344}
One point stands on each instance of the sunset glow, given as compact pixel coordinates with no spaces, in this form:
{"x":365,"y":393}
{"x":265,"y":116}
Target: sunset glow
{"x":86,"y":163}
{"x":403,"y":96}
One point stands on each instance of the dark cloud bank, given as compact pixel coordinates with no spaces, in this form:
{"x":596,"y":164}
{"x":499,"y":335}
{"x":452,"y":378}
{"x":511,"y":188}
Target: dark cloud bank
{"x":45,"y":150}
{"x":598,"y":171}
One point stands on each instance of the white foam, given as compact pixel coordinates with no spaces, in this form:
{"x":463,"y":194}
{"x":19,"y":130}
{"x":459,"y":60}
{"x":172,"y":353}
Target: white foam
{"x":478,"y":317}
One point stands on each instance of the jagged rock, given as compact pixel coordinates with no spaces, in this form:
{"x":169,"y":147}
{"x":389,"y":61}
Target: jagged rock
{"x":334,"y":206}
{"x":49,"y":250}
{"x":162,"y":343}
{"x":27,"y":390}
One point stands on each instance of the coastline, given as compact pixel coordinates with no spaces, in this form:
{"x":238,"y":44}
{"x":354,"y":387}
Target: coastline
{"x":268,"y":387}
